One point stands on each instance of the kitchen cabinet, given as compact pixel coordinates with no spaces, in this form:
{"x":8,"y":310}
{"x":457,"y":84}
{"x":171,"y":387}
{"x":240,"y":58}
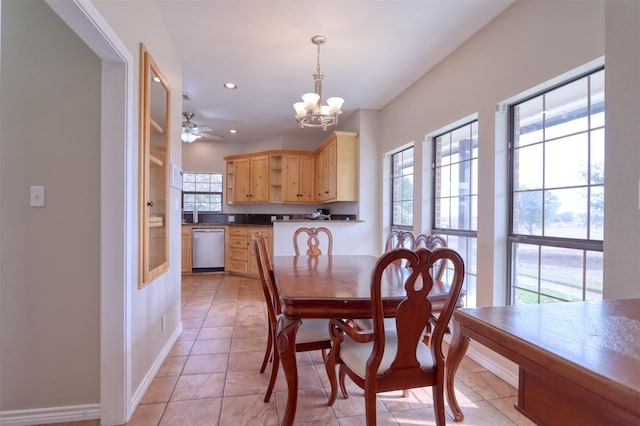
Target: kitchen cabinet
{"x":337,"y":168}
{"x":298,"y":178}
{"x":239,"y":251}
{"x":186,"y":249}
{"x":248,"y":179}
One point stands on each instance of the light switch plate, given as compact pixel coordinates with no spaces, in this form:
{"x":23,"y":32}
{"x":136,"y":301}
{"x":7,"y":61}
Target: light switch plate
{"x":36,"y":196}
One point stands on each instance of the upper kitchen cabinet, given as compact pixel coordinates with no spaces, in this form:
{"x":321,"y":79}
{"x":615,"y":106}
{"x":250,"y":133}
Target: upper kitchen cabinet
{"x":298,"y":178}
{"x":337,"y":168}
{"x":247,"y":179}
{"x":154,"y":170}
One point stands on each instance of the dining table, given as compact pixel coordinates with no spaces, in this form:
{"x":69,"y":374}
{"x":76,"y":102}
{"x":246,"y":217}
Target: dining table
{"x":337,"y":286}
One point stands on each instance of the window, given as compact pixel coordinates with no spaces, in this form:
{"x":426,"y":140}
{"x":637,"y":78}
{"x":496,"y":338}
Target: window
{"x":402,"y":189}
{"x":202,"y":191}
{"x":455,"y":204}
{"x":557,"y":193}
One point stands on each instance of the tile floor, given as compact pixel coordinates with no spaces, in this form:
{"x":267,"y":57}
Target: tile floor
{"x":211,"y":375}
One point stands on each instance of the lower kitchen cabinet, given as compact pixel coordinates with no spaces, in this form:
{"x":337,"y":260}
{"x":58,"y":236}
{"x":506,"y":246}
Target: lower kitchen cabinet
{"x":239,"y":251}
{"x":186,"y":249}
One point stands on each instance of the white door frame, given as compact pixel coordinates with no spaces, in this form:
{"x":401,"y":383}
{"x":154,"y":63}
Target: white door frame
{"x":117,"y":206}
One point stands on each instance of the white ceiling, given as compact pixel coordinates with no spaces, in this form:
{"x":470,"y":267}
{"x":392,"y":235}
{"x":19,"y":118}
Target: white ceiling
{"x":375,"y":50}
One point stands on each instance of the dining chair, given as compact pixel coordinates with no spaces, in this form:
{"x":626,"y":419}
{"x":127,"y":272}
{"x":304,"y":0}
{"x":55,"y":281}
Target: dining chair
{"x":313,"y":236}
{"x":398,"y":238}
{"x":439,"y":268}
{"x":313,"y":334}
{"x":431,"y":242}
{"x":382,"y":360}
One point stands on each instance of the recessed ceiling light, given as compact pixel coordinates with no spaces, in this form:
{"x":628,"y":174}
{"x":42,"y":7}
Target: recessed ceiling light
{"x":234,"y":131}
{"x":231,"y":86}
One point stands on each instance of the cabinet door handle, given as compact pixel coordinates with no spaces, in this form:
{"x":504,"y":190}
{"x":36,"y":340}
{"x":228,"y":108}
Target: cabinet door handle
{"x":150,"y":203}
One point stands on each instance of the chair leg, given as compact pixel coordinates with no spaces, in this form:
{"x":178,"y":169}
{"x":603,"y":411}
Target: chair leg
{"x":343,"y":373}
{"x":274,"y":375}
{"x":267,"y":352}
{"x":330,"y":366}
{"x":370,"y":404}
{"x":405,"y":393}
{"x":438,"y":404}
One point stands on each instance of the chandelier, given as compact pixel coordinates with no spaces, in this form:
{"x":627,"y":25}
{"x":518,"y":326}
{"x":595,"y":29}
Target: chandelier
{"x":190,"y":131}
{"x":310,"y":112}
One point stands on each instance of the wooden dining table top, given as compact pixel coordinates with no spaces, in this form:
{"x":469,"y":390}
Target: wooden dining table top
{"x":336,"y":286}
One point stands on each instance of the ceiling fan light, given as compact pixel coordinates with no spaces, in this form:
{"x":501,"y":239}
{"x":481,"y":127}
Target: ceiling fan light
{"x":188,"y":137}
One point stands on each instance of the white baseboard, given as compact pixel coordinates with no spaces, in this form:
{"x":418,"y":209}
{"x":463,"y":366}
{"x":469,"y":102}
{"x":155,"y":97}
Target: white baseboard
{"x":148,"y":378}
{"x":76,"y":413}
{"x":73,"y":413}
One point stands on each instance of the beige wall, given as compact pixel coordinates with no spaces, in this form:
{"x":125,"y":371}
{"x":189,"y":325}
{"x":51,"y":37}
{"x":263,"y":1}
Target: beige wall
{"x":49,"y":256}
{"x":135,"y":22}
{"x":622,"y":155}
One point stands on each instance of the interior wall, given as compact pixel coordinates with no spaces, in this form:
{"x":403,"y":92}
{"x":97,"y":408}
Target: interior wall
{"x":49,"y":256}
{"x":622,"y":151}
{"x":528,"y":44}
{"x":136,"y":22}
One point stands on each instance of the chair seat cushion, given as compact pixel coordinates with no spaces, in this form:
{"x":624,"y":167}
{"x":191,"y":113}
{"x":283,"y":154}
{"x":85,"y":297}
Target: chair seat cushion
{"x":355,"y":355}
{"x":313,"y":330}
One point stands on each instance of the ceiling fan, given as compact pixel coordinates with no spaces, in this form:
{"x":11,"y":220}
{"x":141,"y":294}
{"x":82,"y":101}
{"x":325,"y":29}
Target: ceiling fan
{"x":191,"y":132}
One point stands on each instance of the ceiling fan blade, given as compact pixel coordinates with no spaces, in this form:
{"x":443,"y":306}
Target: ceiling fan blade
{"x":210,"y":137}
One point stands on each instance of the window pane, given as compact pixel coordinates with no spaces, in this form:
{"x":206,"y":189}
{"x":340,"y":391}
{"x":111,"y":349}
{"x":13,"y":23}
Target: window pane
{"x":528,"y":167}
{"x":596,"y":213}
{"x":566,"y":109}
{"x":565,"y":213}
{"x":528,"y":213}
{"x":202,"y":191}
{"x":525,"y":267}
{"x":594,"y":276}
{"x":567,"y":161}
{"x":402,"y":188}
{"x":528,"y":122}
{"x":561,"y":273}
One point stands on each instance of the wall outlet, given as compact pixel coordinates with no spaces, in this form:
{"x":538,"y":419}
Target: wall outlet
{"x":285,"y":217}
{"x":273,"y":218}
{"x":232,"y":219}
{"x":163,"y":320}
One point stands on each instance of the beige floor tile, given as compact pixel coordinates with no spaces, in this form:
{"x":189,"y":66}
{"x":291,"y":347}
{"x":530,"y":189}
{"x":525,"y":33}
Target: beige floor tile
{"x":482,"y":413}
{"x":247,"y":361}
{"x":192,"y":323}
{"x":172,"y":366}
{"x":248,"y":383}
{"x":196,"y":386}
{"x":311,"y":407}
{"x":159,"y":390}
{"x":211,"y":363}
{"x":213,"y":346}
{"x":181,"y":347}
{"x":207,"y":333}
{"x":248,"y":410}
{"x":487,"y":385}
{"x":248,"y":344}
{"x":147,"y":415}
{"x":506,"y":407}
{"x":188,"y":334}
{"x":196,"y":412}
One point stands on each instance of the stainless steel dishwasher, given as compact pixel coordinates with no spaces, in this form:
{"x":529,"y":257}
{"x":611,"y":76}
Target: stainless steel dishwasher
{"x":207,"y":249}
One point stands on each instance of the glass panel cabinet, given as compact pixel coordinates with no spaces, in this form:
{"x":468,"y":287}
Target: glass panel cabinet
{"x":153,"y":171}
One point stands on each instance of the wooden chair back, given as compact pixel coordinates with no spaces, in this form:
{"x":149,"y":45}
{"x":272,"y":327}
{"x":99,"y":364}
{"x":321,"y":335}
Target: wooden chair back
{"x":432,"y":242}
{"x":399,"y":239}
{"x":313,"y":236}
